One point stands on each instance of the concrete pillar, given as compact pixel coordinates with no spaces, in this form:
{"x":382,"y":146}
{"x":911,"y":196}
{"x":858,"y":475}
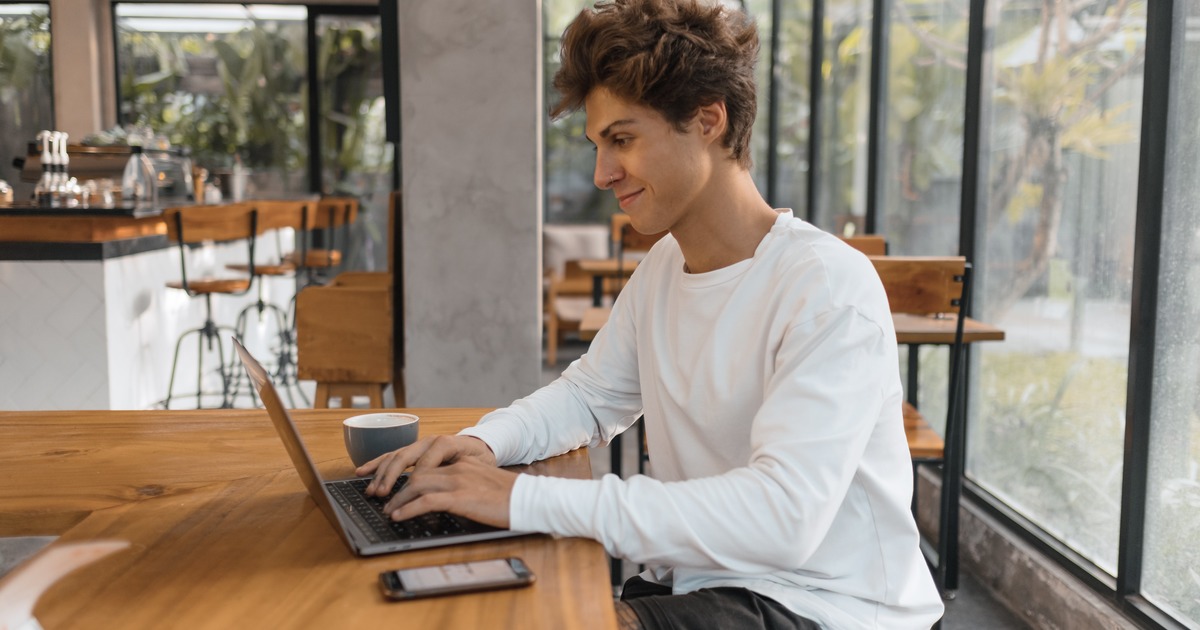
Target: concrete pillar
{"x":471,"y":108}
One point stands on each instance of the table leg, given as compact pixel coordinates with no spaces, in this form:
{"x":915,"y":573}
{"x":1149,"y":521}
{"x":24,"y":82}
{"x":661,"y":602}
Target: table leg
{"x":614,"y":460}
{"x":953,"y":468}
{"x":597,"y":290}
{"x":914,"y":366}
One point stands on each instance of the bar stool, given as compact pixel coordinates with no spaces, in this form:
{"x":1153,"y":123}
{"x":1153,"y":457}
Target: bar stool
{"x":328,"y":218}
{"x":273,"y":216}
{"x":199,"y":224}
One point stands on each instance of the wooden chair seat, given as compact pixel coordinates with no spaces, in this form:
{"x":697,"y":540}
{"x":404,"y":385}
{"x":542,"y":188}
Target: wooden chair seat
{"x":203,"y":286}
{"x":924,"y":444}
{"x":282,"y":269}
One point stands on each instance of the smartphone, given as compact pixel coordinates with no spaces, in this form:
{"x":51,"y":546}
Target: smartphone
{"x":448,"y":579}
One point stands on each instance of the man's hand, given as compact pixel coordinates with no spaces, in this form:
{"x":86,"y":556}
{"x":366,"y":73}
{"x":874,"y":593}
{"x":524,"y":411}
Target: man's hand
{"x":428,"y":452}
{"x":467,"y":487}
{"x":451,"y":474}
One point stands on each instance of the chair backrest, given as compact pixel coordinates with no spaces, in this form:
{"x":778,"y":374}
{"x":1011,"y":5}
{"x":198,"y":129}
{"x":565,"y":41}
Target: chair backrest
{"x":629,"y":240}
{"x":332,"y":212}
{"x":869,"y":244}
{"x":199,"y":224}
{"x":275,"y":215}
{"x":922,"y":285}
{"x":626,"y":239}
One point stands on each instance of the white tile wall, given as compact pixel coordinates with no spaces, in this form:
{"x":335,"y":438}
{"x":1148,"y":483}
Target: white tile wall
{"x":52,"y":345}
{"x":100,"y":335}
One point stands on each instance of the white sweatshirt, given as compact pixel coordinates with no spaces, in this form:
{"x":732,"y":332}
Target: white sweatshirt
{"x":772,"y":397}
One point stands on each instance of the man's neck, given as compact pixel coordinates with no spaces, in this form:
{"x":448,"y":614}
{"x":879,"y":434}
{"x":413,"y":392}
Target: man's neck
{"x":728,"y":226}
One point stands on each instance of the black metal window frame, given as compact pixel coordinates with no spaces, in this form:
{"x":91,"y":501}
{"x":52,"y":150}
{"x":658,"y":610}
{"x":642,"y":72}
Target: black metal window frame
{"x":1124,"y":591}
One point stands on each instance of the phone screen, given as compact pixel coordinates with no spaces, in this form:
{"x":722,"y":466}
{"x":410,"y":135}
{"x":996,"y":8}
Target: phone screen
{"x":455,"y":578}
{"x":450,"y":575}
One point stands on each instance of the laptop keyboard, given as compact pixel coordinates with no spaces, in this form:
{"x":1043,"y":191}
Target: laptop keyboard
{"x":367,"y":513}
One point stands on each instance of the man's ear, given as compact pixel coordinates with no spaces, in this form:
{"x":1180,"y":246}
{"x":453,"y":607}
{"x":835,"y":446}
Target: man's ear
{"x":712,"y":120}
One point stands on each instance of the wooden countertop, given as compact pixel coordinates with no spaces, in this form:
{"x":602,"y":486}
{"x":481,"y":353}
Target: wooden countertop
{"x":61,"y":227}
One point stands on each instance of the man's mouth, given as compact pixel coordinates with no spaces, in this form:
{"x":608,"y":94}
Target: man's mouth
{"x":623,"y":200}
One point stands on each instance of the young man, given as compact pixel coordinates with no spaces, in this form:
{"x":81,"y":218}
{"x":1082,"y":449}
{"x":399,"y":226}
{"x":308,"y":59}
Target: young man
{"x":760,"y":349}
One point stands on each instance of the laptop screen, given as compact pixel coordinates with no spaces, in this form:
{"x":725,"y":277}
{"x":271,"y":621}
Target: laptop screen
{"x":287,"y":432}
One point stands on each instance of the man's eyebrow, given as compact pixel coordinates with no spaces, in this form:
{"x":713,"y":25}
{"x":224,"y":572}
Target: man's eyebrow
{"x":604,"y":133}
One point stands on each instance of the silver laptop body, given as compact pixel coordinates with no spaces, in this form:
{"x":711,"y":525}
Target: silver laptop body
{"x":331,"y":496}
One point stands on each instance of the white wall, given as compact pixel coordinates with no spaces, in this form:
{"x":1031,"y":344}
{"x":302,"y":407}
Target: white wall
{"x":471,"y":108}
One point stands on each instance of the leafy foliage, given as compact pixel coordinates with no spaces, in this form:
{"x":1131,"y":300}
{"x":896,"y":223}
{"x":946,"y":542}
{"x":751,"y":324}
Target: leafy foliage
{"x":241,"y":94}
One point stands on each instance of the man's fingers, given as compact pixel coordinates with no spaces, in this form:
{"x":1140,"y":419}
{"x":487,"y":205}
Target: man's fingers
{"x":420,"y":485}
{"x":437,"y":502}
{"x":389,"y":466}
{"x":442,"y":450}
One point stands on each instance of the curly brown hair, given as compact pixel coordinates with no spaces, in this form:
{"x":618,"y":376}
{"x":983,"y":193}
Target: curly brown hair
{"x":674,"y":56}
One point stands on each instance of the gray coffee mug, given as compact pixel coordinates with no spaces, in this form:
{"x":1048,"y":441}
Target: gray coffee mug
{"x":370,"y":435}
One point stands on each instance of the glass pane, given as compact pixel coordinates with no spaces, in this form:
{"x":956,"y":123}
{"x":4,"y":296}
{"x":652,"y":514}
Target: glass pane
{"x":760,"y":11}
{"x":922,"y":166}
{"x":845,"y":107}
{"x":1171,"y":573}
{"x":26,"y":89}
{"x":225,"y":80}
{"x":571,"y":197}
{"x":355,"y":158}
{"x":1055,"y":265}
{"x":795,"y":57}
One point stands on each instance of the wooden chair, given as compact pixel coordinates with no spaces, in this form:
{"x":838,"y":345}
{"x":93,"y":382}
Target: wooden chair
{"x":567,"y":289}
{"x":344,"y":337}
{"x":345,"y":333}
{"x":331,"y":218}
{"x":939,"y":287}
{"x":568,"y":296}
{"x":869,"y":244}
{"x":200,"y":224}
{"x":275,"y":216}
{"x":627,"y":240}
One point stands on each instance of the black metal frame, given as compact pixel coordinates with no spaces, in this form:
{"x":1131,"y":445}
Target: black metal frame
{"x":881,"y":26}
{"x":816,"y":91}
{"x":1123,"y":591}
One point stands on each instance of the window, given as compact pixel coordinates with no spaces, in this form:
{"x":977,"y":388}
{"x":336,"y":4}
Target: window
{"x":1055,"y":266}
{"x":846,"y":69}
{"x":922,"y":167}
{"x":26,"y":88}
{"x":1171,"y":577}
{"x":571,"y":197}
{"x":225,"y":80}
{"x":355,"y":160}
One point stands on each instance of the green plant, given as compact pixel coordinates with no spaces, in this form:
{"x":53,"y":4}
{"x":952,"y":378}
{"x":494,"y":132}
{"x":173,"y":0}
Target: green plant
{"x":253,"y":107}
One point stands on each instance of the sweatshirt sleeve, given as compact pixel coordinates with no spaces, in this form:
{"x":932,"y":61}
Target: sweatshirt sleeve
{"x":807,"y":440}
{"x":596,"y":398}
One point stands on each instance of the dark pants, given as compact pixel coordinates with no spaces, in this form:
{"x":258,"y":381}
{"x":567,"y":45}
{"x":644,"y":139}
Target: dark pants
{"x":722,"y":607}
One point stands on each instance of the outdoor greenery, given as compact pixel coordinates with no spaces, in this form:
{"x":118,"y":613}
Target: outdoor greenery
{"x":240,"y":94}
{"x":25,"y":88}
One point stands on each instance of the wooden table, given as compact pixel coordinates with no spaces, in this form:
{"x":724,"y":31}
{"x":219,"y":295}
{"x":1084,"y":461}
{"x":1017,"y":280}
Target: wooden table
{"x":224,"y":535}
{"x":600,"y":269}
{"x":915,"y":331}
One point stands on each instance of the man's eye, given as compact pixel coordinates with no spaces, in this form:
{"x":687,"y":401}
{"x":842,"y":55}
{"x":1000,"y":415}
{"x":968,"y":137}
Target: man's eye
{"x":620,"y":142}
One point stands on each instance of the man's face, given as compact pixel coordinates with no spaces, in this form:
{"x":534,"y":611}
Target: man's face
{"x":655,"y":171}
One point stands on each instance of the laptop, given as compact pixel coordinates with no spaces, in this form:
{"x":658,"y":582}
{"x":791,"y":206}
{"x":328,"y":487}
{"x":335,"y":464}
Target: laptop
{"x":359,"y":518}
